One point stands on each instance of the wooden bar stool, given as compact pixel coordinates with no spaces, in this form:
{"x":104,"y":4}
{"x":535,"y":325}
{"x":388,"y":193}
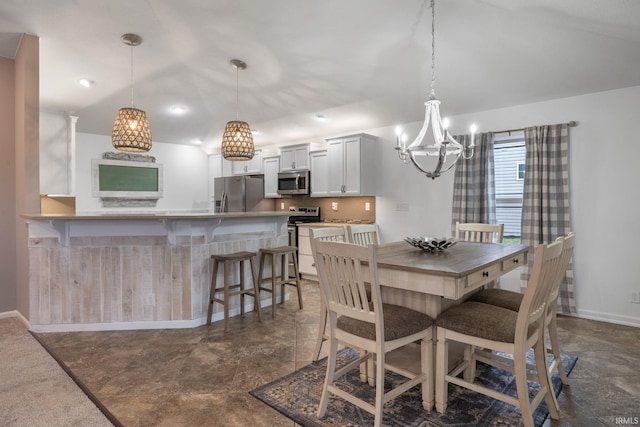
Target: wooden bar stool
{"x":227,"y":286}
{"x":282,"y":278}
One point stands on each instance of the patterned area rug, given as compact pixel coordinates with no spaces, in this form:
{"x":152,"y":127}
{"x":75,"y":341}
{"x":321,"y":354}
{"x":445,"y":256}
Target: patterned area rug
{"x":297,"y":396}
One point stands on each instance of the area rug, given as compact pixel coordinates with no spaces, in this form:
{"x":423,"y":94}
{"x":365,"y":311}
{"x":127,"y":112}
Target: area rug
{"x":297,"y":396}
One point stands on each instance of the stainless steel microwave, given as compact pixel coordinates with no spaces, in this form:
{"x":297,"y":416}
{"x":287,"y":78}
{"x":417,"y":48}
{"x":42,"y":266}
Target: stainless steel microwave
{"x":294,"y":182}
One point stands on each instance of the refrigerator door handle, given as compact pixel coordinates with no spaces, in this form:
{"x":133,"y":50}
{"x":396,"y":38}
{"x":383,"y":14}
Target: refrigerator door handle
{"x":223,"y":203}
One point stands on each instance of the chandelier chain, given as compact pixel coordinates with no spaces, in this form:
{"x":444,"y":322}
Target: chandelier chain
{"x":432,"y":95}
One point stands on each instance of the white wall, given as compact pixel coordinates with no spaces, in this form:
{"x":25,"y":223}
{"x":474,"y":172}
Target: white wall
{"x":185,"y":175}
{"x":605,"y":207}
{"x":54,"y":159}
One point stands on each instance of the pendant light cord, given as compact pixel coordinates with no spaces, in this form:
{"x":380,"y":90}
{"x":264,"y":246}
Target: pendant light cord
{"x":131,"y":45}
{"x":237,"y":93}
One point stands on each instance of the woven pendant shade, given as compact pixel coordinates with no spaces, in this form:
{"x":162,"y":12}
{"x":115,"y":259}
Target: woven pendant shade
{"x":131,"y":131}
{"x":237,"y":141}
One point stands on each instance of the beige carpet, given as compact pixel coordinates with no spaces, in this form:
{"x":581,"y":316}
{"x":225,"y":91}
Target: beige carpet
{"x":34,"y":390}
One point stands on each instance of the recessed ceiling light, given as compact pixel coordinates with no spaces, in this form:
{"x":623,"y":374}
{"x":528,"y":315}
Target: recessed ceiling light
{"x":86,"y":82}
{"x":321,"y":118}
{"x":255,"y":131}
{"x":178,"y":109}
{"x":197,"y":141}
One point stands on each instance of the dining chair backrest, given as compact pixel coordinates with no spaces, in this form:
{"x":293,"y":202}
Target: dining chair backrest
{"x":343,"y":270}
{"x":363,"y":234}
{"x":546,"y":263}
{"x":478,"y":232}
{"x":567,"y":254}
{"x":332,"y":234}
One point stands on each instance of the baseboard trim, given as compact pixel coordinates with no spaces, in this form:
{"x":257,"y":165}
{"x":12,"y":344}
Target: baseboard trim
{"x":15,"y":313}
{"x":608,"y":317}
{"x":138,"y":325}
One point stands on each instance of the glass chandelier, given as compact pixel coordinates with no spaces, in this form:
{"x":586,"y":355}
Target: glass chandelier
{"x":445,"y":148}
{"x":237,"y":140}
{"x":131,"y":131}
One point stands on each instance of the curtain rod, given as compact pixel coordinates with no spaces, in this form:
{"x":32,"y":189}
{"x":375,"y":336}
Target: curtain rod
{"x":570,"y":124}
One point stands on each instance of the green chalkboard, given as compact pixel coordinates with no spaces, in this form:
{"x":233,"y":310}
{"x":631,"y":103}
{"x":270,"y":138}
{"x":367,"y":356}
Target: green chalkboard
{"x":127,"y":178}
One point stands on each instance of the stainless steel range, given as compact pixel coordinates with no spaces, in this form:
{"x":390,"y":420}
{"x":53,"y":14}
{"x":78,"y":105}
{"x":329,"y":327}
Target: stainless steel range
{"x":302,"y":215}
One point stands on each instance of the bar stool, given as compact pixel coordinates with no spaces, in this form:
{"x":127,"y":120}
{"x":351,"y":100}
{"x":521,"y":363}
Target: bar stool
{"x":227,"y":286}
{"x":281,"y":279}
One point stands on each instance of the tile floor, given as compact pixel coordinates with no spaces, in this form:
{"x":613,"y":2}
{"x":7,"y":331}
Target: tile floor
{"x":201,"y":376}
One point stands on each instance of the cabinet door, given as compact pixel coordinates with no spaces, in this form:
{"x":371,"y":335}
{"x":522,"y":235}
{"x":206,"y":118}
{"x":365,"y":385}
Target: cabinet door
{"x":294,"y":158}
{"x":318,"y":164}
{"x":352,"y":166}
{"x":252,"y":166}
{"x":335,"y":167}
{"x":271,"y":169}
{"x":287,"y":159}
{"x":305,"y":256}
{"x":301,"y":158}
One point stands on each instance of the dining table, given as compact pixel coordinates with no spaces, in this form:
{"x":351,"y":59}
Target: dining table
{"x":432,"y":281}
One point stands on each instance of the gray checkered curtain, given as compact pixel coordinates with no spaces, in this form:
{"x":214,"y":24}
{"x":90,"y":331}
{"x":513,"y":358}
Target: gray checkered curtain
{"x":545,"y":206}
{"x":474,"y":184}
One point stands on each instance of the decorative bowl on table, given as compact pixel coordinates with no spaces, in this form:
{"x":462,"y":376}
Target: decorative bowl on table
{"x":431,"y":244}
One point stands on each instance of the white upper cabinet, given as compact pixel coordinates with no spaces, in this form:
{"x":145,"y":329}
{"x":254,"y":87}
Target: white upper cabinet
{"x":318,"y":161}
{"x":351,"y":165}
{"x":294,"y":157}
{"x":248,"y":167}
{"x":271,"y":169}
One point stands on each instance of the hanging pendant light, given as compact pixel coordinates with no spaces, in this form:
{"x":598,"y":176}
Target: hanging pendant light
{"x":237,"y":140}
{"x":131,"y":131}
{"x":445,"y":147}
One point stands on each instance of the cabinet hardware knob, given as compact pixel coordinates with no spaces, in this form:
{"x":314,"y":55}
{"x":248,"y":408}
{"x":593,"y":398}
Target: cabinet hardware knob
{"x":516,"y":261}
{"x":485,"y":274}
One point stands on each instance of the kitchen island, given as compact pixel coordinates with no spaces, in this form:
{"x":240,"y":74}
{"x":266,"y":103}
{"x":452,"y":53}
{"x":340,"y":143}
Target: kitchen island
{"x":135,"y":270}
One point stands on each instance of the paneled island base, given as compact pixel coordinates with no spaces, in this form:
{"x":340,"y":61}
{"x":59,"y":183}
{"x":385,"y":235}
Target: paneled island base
{"x":116,"y":272}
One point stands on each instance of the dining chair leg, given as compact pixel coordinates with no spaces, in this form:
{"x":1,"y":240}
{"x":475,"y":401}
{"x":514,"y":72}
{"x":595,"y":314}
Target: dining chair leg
{"x":522,"y":389}
{"x":322,"y":328}
{"x":379,"y":387}
{"x":555,"y":350}
{"x":544,"y":378}
{"x":329,"y":378}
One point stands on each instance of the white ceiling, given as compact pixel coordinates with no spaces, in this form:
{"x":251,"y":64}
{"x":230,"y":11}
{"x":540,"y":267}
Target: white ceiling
{"x":360,"y":63}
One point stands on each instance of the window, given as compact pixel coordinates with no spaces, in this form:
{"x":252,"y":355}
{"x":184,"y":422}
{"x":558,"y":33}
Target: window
{"x":509,"y":163}
{"x":520,"y":171}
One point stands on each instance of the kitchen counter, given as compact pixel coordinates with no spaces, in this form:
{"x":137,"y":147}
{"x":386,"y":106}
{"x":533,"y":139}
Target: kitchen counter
{"x":156,"y":215}
{"x":136,"y":270}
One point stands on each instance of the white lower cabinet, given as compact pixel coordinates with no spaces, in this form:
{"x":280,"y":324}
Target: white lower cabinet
{"x":305,"y":257}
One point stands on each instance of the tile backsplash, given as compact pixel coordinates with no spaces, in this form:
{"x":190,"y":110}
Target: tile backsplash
{"x":348,"y":208}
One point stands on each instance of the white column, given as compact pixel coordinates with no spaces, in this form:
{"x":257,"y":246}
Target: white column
{"x":71,"y":155}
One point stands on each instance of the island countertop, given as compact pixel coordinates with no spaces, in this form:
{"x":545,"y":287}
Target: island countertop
{"x":153,"y":215}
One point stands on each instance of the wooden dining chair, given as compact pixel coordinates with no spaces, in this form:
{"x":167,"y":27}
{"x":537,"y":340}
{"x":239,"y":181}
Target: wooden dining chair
{"x":363,"y":234}
{"x":512,"y":300}
{"x":483,"y":326}
{"x":332,"y":234}
{"x":358,"y":319}
{"x":478,"y":232}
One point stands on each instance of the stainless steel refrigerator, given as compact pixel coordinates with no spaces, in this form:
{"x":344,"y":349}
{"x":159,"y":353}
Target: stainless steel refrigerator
{"x":238,"y":193}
